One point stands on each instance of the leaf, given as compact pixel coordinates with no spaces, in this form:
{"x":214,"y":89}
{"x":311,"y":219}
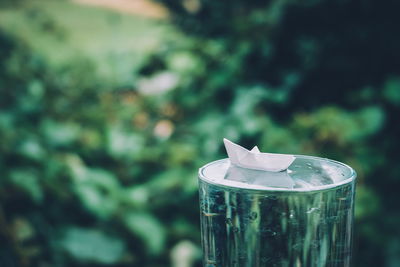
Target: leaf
{"x":96,"y":201}
{"x":185,"y":63}
{"x":124,"y":144}
{"x":98,"y":192}
{"x":30,"y":148}
{"x":371,"y":120}
{"x":148,"y":228}
{"x":158,"y":84}
{"x":60,"y":133}
{"x":246,"y":100}
{"x":97,"y":189}
{"x":392,"y":91}
{"x":136,"y":196}
{"x":92,"y":245}
{"x":28,"y":182}
{"x":367,"y":203}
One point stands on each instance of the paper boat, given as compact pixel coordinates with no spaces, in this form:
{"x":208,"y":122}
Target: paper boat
{"x":256,"y":160}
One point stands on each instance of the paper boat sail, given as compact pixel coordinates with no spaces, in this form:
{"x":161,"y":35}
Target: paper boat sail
{"x":254,"y":159}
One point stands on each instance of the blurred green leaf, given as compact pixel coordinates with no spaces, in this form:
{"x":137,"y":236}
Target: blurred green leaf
{"x":123,"y":144}
{"x":367,"y":203}
{"x":97,"y":189}
{"x":148,"y":228}
{"x":185,"y":63}
{"x":180,"y":153}
{"x":60,"y":133}
{"x":391,"y":91}
{"x":32,"y":149}
{"x":36,"y":89}
{"x":27,"y":181}
{"x":370,"y":120}
{"x":89,"y":245}
{"x":96,"y":201}
{"x":136,"y":196}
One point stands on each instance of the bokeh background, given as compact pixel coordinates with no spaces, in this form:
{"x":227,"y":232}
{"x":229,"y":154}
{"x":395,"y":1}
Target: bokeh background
{"x":108,"y":109}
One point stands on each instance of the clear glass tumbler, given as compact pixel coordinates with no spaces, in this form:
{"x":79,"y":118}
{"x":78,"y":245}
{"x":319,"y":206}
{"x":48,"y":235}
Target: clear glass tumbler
{"x":300,"y":217}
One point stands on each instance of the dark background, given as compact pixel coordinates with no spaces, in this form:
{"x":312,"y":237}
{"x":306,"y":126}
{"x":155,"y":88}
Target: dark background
{"x":108,"y":110}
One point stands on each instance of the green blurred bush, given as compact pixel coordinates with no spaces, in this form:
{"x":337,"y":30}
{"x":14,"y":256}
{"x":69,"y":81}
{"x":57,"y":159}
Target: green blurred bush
{"x":313,"y":77}
{"x":94,"y":174}
{"x":84,"y":179}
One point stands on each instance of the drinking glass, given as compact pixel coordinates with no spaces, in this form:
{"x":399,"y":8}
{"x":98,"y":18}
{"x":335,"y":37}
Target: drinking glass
{"x":302,"y":216}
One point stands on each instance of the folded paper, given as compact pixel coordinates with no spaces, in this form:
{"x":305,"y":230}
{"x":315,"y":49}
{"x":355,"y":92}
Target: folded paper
{"x":256,"y":160}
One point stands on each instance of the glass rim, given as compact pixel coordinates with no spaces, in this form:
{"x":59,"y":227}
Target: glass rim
{"x":234,"y":185}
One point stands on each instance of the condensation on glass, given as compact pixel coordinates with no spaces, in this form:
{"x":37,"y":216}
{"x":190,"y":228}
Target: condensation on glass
{"x":300,"y":217}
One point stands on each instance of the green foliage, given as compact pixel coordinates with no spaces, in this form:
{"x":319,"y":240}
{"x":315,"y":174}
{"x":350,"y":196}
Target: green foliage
{"x":148,"y":228}
{"x":98,"y":170}
{"x":292,"y":77}
{"x":392,"y":91}
{"x":27,"y":182}
{"x":92,"y":246}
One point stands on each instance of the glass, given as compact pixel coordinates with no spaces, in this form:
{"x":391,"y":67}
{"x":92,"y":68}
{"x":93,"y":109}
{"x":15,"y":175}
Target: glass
{"x":300,"y":217}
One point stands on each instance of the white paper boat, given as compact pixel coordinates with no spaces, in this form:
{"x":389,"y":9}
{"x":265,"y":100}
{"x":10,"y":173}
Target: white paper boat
{"x":254,"y":159}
